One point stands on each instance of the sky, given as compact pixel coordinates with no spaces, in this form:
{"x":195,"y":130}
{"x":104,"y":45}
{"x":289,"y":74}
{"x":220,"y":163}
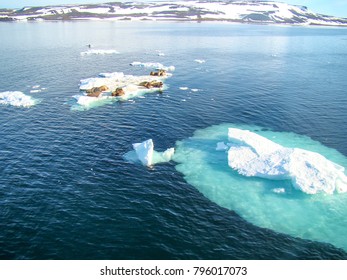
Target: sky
{"x":328,"y":7}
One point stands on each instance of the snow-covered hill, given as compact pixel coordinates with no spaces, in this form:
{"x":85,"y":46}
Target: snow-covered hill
{"x":233,"y":11}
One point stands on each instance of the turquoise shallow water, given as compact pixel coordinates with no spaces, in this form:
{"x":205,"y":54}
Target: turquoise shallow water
{"x":273,"y":204}
{"x":66,"y":191}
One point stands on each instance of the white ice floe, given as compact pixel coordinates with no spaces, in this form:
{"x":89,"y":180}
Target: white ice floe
{"x":195,"y":90}
{"x":129,"y":83}
{"x":146,"y":154}
{"x":102,"y":52}
{"x":200,"y":61}
{"x":35,"y":90}
{"x":16,"y":98}
{"x":253,"y":155}
{"x":153,"y":65}
{"x":183,"y":88}
{"x":113,"y":75}
{"x":279,"y":190}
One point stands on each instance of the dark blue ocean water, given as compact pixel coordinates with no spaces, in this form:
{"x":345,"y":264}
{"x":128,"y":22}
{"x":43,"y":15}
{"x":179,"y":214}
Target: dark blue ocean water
{"x":66,"y":191}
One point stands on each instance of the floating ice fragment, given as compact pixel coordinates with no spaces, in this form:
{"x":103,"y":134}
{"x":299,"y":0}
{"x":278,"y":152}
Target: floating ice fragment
{"x":102,"y":52}
{"x":153,"y":65}
{"x":184,"y":88}
{"x":144,"y":151}
{"x":146,"y":154}
{"x":279,"y":190}
{"x":113,"y":75}
{"x":194,"y":90}
{"x":253,"y":155}
{"x":35,"y":91}
{"x":200,"y":61}
{"x":16,"y":98}
{"x":221,"y":146}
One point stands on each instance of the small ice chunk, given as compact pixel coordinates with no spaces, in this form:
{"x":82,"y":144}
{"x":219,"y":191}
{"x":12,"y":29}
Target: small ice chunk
{"x":146,"y":154}
{"x":184,"y":88}
{"x":165,"y":156}
{"x":101,"y":52}
{"x":144,"y":151}
{"x":253,"y":155}
{"x":153,"y":65}
{"x":221,"y":146}
{"x":200,"y":61}
{"x":35,"y":91}
{"x":36,"y":86}
{"x":16,"y":98}
{"x":194,"y":90}
{"x":279,"y":190}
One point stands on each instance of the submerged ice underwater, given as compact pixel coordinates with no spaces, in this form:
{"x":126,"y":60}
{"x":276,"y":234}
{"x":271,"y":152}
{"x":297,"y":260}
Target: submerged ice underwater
{"x":72,"y":185}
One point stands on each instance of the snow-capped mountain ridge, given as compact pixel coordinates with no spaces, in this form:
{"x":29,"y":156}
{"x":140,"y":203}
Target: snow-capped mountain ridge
{"x":269,"y":12}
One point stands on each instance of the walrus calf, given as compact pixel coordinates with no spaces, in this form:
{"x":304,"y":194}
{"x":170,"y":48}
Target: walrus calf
{"x":118,"y":92}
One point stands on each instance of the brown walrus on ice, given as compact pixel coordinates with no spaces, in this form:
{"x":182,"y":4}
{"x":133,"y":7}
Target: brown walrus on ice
{"x":118,"y":92}
{"x":152,"y":84}
{"x":96,"y":91}
{"x":159,"y":73}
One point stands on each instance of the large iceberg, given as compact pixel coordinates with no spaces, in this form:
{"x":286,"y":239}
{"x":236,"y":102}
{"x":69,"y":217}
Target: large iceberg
{"x":16,"y":98}
{"x":145,"y":153}
{"x":254,"y":155}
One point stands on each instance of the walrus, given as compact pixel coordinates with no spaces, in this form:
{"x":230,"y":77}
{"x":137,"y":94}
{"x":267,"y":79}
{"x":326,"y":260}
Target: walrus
{"x":96,"y":91}
{"x":151,"y":84}
{"x":159,"y":73}
{"x":118,"y":92}
{"x":156,"y":84}
{"x":103,"y":88}
{"x":146,"y":84}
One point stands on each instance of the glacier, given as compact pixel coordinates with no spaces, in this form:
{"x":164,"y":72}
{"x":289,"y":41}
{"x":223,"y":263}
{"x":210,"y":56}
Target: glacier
{"x":254,"y":155}
{"x":17,"y":99}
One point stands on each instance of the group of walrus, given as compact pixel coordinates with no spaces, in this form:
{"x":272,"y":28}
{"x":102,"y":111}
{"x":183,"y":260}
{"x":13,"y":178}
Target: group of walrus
{"x":97,"y":91}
